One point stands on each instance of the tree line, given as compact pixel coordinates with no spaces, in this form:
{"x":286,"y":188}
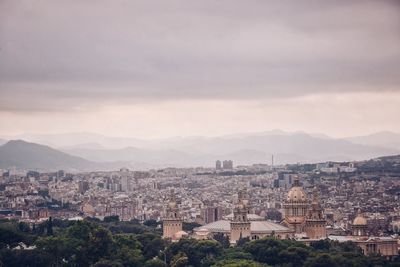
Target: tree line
{"x":113,"y":243}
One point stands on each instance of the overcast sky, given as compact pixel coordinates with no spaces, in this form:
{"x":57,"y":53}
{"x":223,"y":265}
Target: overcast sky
{"x":167,"y":68}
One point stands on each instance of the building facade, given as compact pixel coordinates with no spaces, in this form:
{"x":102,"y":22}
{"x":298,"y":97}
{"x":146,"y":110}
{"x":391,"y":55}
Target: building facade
{"x":172,"y":222}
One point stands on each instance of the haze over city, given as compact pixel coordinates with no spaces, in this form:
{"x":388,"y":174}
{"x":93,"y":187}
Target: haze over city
{"x":208,"y":133}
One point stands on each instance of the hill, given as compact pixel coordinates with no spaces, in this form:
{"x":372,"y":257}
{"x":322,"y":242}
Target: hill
{"x":31,"y":156}
{"x":242,"y":149}
{"x":381,"y":139}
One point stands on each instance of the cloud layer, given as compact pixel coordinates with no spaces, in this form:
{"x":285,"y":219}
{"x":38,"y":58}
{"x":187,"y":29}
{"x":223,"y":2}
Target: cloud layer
{"x":196,"y":49}
{"x":78,"y":55}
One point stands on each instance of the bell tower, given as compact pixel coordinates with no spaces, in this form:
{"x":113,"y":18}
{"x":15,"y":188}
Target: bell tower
{"x":172,"y":222}
{"x":315,"y":226}
{"x":240,"y":224}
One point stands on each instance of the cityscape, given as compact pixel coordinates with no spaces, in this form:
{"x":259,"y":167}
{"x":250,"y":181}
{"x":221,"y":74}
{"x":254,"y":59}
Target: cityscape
{"x":211,"y":133}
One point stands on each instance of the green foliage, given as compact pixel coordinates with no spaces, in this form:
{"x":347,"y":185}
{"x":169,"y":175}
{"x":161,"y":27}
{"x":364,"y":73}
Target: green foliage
{"x":198,"y":252}
{"x":242,"y":241}
{"x":151,"y":223}
{"x":238,"y":263}
{"x":12,"y":233}
{"x":155,"y":263}
{"x":104,"y":244}
{"x":321,"y":260}
{"x":112,"y":218}
{"x":179,"y":260}
{"x":49,"y":226}
{"x":222,"y":239}
{"x":189,"y":226}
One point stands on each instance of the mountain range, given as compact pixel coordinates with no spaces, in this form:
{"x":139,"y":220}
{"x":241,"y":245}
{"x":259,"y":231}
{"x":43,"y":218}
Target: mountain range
{"x":88,"y":151}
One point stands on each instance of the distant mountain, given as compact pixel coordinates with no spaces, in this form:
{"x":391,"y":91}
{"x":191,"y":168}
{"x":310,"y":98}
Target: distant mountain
{"x":385,"y":139}
{"x":2,"y":141}
{"x":244,"y":148}
{"x":137,"y":156}
{"x":77,"y":139}
{"x":86,"y":146}
{"x":31,"y":156}
{"x":241,"y":148}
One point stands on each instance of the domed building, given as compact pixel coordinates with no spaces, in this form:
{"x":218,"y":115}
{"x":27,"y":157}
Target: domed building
{"x":243,"y":224}
{"x":295,"y":207}
{"x":359,"y":226}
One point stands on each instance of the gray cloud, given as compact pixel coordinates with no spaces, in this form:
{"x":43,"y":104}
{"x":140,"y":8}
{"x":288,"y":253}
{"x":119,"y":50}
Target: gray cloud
{"x":74,"y":53}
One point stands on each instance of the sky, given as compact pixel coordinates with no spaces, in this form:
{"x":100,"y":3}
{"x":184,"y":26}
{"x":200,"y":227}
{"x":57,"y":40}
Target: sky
{"x":154,"y":69}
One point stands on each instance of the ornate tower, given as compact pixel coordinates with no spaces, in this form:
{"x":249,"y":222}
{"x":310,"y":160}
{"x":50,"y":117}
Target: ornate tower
{"x":315,"y":226}
{"x":240,"y":224}
{"x":295,"y":208}
{"x":172,"y":223}
{"x":359,"y":226}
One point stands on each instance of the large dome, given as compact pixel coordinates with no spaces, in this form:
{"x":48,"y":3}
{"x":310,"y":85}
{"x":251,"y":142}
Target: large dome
{"x":360,"y":220}
{"x":296,"y":194}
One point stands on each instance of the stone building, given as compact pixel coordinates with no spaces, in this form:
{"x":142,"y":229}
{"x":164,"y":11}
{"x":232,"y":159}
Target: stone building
{"x":315,"y":223}
{"x":240,"y":225}
{"x":359,"y":226}
{"x":172,"y":222}
{"x":295,"y":206}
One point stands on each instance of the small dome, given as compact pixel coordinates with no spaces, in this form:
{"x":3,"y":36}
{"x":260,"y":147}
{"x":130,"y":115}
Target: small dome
{"x":172,"y":204}
{"x":360,"y":220}
{"x":296,"y":194}
{"x":180,"y":234}
{"x":203,"y":231}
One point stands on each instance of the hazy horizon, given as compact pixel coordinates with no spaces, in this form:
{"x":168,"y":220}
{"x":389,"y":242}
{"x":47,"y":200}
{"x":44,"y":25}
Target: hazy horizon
{"x":267,"y":131}
{"x":187,"y":68}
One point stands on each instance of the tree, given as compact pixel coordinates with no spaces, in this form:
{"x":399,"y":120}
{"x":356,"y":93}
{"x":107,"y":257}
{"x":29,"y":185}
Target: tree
{"x":238,"y":263}
{"x":321,"y":260}
{"x":151,"y":243}
{"x":222,"y":239}
{"x":107,"y":263}
{"x":179,"y":260}
{"x":80,"y":230}
{"x":151,"y":223}
{"x":189,"y":226}
{"x":242,"y":241}
{"x":112,"y":218}
{"x":49,"y":227}
{"x":155,"y":263}
{"x":100,"y":243}
{"x":294,"y":255}
{"x":266,"y":250}
{"x":324,"y":245}
{"x":199,"y":252}
{"x":60,"y":248}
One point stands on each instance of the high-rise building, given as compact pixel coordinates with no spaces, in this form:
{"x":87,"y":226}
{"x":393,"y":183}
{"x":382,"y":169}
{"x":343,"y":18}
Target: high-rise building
{"x":83,"y":186}
{"x":227,"y":164}
{"x":125,"y":183}
{"x":218,"y":165}
{"x":211,"y":214}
